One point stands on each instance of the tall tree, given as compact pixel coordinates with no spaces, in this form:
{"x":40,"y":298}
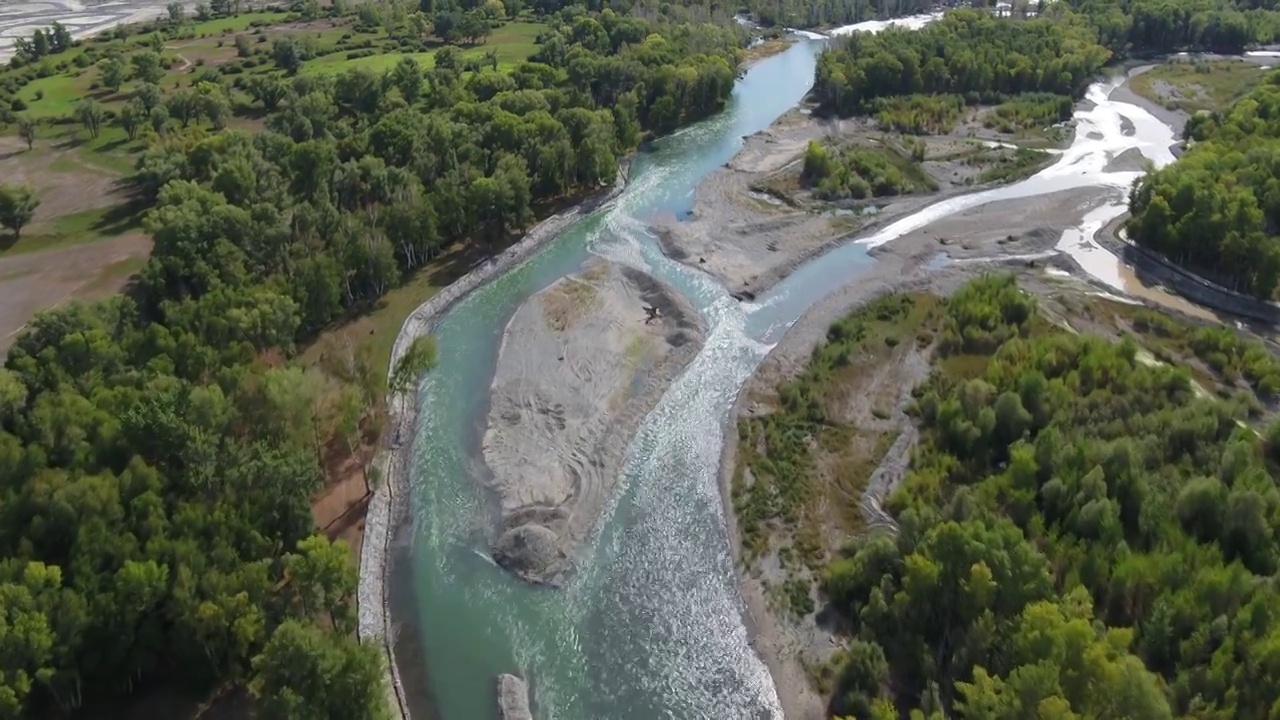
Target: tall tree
{"x":28,"y":128}
{"x":18,"y":205}
{"x":147,"y":67}
{"x":91,"y":115}
{"x":112,"y":71}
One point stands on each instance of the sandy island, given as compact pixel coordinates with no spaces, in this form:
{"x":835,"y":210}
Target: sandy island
{"x":581,"y":364}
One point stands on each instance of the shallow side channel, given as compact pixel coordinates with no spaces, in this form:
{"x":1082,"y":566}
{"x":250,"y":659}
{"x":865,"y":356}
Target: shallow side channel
{"x":651,"y":625}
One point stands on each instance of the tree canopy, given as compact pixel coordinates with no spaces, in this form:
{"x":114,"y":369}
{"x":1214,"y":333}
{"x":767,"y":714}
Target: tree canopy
{"x":1081,"y":535}
{"x":968,"y":53}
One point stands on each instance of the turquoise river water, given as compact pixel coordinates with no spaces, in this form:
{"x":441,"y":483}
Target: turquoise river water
{"x":650,"y":625}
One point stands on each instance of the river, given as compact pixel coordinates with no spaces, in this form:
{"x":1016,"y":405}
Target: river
{"x":651,"y":623}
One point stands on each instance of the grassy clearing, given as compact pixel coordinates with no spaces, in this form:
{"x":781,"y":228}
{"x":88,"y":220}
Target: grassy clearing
{"x":513,"y":43}
{"x":56,"y":95}
{"x":113,"y":276}
{"x":74,"y":229}
{"x":237,"y":24}
{"x":111,"y":153}
{"x":1192,"y":86}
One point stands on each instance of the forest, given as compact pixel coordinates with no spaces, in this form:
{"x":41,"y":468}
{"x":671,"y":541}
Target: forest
{"x":1138,"y":27}
{"x":1216,"y":210}
{"x":1147,"y":27}
{"x":967,"y":53}
{"x":158,"y":450}
{"x":912,"y":80}
{"x":1081,"y":534}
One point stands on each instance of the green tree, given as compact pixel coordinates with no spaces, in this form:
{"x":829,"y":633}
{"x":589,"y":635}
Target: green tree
{"x":287,"y":54}
{"x":417,"y":359}
{"x":28,"y":129}
{"x":407,"y":78}
{"x":112,"y":71}
{"x":91,"y":115}
{"x":322,"y":579}
{"x":147,"y":67}
{"x":267,"y":90}
{"x":184,"y":106}
{"x":132,"y":118}
{"x":305,"y":673}
{"x":18,"y":205}
{"x":177,"y":13}
{"x":149,"y":95}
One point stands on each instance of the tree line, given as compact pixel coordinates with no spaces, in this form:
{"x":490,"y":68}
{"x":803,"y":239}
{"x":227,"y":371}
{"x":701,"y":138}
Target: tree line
{"x":967,"y":53}
{"x":158,"y":451}
{"x":1158,"y":27}
{"x":1080,"y":535}
{"x":792,"y":13}
{"x":1216,"y":210}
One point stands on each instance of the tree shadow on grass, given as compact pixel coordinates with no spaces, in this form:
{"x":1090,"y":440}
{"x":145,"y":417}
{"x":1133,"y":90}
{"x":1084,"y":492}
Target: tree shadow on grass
{"x":120,"y":219}
{"x":113,"y":145}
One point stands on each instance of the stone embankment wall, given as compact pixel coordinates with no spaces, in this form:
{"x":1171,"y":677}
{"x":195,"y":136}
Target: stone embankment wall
{"x":389,"y":506}
{"x":1155,"y":268}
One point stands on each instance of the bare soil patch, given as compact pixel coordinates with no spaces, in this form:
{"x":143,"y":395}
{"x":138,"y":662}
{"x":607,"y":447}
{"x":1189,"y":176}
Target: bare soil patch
{"x":63,"y":182}
{"x":339,"y":508}
{"x":33,"y":282}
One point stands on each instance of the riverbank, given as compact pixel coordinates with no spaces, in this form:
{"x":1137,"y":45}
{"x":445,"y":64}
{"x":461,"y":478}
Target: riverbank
{"x":753,"y":224}
{"x":581,"y":364}
{"x":1023,"y":235}
{"x":388,"y":506}
{"x":792,"y":650}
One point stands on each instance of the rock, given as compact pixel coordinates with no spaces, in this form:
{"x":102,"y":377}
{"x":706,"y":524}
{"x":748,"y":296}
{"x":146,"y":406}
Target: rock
{"x":513,"y":698}
{"x":531,"y":551}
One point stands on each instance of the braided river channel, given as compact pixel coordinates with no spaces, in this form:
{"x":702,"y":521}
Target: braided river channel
{"x":650,"y":624}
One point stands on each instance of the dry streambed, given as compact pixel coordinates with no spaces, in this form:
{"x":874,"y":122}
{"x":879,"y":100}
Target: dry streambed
{"x":581,"y":364}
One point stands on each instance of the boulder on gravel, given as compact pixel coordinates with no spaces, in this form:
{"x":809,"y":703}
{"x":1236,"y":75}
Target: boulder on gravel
{"x":531,"y":551}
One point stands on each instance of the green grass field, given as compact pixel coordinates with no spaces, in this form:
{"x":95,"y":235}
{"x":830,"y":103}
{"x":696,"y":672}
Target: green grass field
{"x":513,"y":42}
{"x":1196,"y":86}
{"x":74,"y":229}
{"x":237,"y":24}
{"x":56,"y":95}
